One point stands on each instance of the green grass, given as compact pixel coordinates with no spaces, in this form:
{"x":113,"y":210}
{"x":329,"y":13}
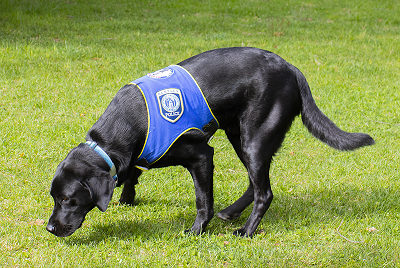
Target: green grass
{"x":61,"y":63}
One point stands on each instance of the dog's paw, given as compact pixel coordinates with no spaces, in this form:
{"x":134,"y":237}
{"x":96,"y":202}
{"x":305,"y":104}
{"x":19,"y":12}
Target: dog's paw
{"x":241,"y":233}
{"x":192,"y":232}
{"x":188,"y":232}
{"x":228,"y":217}
{"x":127,"y":201}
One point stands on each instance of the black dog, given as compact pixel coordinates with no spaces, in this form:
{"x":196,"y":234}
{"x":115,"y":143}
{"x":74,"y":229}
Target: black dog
{"x":254,"y":94}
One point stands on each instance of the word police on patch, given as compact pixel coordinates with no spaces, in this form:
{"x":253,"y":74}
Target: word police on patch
{"x":170,"y":103}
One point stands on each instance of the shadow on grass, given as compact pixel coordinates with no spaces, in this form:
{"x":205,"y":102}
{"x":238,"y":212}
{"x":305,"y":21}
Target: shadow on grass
{"x":291,"y":210}
{"x":148,"y":219}
{"x":143,"y":230}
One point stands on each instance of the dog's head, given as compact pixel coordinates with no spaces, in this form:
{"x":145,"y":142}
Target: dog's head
{"x":81,"y":182}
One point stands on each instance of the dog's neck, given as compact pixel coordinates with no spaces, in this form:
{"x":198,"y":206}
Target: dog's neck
{"x":113,"y":171}
{"x":122,"y":132}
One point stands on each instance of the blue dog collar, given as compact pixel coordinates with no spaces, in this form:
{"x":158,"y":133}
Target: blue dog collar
{"x":97,"y":149}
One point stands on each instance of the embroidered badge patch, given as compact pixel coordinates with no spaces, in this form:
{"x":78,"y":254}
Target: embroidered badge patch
{"x":170,"y":103}
{"x":161,"y":74}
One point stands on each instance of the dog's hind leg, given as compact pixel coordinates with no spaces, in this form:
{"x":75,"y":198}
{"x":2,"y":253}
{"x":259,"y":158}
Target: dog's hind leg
{"x":262,"y":193}
{"x":258,"y":155}
{"x":235,"y":210}
{"x":261,"y":136}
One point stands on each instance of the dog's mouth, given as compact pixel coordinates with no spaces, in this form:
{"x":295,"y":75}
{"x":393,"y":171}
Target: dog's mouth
{"x":61,"y":230}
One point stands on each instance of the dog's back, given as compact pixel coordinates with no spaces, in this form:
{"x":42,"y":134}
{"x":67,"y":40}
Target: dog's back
{"x":239,"y":77}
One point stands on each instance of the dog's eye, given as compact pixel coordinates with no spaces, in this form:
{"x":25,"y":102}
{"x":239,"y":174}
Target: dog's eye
{"x":64,"y":199}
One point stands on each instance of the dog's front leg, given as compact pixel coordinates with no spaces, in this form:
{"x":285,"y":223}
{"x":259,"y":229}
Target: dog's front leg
{"x":202,"y":173}
{"x":129,"y":193}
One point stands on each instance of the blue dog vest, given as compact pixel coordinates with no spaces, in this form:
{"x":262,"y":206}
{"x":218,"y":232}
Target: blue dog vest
{"x":175,"y":105}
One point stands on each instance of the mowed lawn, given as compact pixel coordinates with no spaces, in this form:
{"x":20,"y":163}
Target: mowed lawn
{"x":61,"y":63}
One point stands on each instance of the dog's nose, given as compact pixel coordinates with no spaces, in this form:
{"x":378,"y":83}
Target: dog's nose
{"x":51,"y":228}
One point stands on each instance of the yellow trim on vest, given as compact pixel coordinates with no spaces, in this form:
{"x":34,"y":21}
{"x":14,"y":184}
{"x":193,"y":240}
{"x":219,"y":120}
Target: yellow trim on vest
{"x":176,"y":140}
{"x":148,"y":120}
{"x":201,"y":91}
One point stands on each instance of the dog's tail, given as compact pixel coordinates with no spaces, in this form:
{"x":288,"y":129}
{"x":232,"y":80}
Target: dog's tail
{"x":322,"y":127}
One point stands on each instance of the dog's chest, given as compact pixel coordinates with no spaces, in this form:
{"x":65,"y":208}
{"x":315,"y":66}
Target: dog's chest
{"x":175,"y":105}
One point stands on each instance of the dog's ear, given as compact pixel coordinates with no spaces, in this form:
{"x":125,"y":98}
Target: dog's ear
{"x":101,"y":190}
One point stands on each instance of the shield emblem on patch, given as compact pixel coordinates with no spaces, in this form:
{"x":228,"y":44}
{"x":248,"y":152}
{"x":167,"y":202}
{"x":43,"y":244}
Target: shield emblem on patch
{"x":170,"y":103}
